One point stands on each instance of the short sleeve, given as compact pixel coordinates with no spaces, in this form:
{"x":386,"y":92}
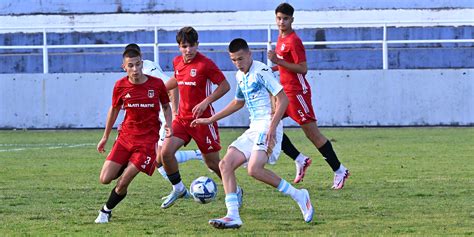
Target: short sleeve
{"x":164,"y":98}
{"x":214,"y":73}
{"x":117,"y":97}
{"x":268,"y":80}
{"x":238,"y":94}
{"x":298,"y":51}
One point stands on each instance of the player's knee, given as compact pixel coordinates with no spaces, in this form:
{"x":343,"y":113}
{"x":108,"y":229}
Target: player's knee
{"x":103,"y":179}
{"x":223,"y":165}
{"x":254,"y":171}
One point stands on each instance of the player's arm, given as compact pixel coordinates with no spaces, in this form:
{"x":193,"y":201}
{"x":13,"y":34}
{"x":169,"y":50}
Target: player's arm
{"x":111,"y":118}
{"x":171,"y":85}
{"x":281,"y":102}
{"x":168,"y":118}
{"x":301,"y":67}
{"x":174,"y":100}
{"x":220,"y":91}
{"x":231,"y":108}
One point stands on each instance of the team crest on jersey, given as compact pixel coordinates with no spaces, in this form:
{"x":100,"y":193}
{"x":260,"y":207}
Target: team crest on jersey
{"x":193,"y":72}
{"x":151,"y":93}
{"x":282,"y":47}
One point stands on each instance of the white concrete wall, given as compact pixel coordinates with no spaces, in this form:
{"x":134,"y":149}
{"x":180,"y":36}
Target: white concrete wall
{"x":340,"y":98}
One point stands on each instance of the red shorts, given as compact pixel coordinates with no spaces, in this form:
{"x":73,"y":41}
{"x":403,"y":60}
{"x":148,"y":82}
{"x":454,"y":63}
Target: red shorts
{"x":143,"y":156}
{"x":205,"y":136}
{"x":300,"y":108}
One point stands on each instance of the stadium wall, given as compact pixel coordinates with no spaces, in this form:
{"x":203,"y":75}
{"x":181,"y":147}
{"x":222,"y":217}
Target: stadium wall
{"x":340,"y":98}
{"x":11,"y":7}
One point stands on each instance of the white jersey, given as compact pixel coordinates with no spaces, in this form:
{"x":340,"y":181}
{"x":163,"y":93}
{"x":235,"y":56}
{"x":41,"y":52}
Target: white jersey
{"x":256,"y":87}
{"x":153,"y":69}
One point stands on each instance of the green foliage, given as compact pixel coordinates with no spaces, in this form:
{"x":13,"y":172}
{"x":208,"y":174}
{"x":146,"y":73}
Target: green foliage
{"x":405,"y":181}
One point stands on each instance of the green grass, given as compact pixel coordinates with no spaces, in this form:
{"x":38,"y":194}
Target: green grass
{"x":405,"y":181}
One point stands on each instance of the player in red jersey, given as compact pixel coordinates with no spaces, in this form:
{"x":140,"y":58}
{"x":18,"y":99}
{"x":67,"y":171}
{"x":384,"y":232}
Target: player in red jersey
{"x":193,"y":75}
{"x":290,"y":58}
{"x":134,"y":150}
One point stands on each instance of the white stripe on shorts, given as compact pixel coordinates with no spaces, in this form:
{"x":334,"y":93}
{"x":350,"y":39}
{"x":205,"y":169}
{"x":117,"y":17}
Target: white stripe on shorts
{"x":303,"y":103}
{"x":213,"y":131}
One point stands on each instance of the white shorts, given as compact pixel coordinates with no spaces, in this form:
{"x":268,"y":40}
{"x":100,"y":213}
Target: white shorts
{"x":253,"y":139}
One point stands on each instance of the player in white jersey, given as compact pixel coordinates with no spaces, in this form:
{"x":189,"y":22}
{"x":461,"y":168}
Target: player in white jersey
{"x":153,"y":69}
{"x":260,"y":144}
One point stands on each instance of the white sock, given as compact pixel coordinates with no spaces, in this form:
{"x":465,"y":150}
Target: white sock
{"x":287,"y":189}
{"x":183,"y":156}
{"x":179,"y":186}
{"x":300,"y":158}
{"x":341,"y":170}
{"x":232,"y":204}
{"x":107,"y":209}
{"x":163,"y":172}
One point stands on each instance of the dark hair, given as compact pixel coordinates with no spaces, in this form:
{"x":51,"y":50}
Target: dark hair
{"x":133,"y":46}
{"x":187,"y":34}
{"x":131,"y":53}
{"x":285,"y":8}
{"x":238,"y":44}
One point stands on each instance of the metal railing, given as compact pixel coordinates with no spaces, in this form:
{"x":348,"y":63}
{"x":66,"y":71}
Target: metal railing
{"x":385,"y":42}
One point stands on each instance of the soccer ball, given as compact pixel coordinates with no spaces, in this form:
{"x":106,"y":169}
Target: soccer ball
{"x":203,"y":190}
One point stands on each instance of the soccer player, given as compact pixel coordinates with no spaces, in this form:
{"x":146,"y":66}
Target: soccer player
{"x":260,"y":144}
{"x":153,"y":69}
{"x":290,"y":58}
{"x":193,"y":75}
{"x":135,"y":147}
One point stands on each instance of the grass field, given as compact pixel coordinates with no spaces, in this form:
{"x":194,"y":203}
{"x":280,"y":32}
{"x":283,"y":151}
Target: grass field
{"x":405,"y":181}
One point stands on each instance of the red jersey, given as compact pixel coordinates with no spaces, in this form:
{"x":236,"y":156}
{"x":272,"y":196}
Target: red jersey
{"x":291,"y":49}
{"x":194,"y":83}
{"x":142,"y":106}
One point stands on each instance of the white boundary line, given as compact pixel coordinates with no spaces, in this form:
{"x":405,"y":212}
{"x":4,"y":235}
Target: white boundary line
{"x":24,"y":147}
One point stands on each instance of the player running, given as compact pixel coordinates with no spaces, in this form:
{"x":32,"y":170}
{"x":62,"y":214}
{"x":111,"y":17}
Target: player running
{"x":290,"y":58}
{"x":258,"y":145}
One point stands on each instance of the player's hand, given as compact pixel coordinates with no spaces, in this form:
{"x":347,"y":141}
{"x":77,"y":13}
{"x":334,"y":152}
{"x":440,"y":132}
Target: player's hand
{"x":200,"y":121}
{"x":271,"y":137}
{"x":272,"y":56}
{"x":101,"y":145}
{"x":199,"y":109}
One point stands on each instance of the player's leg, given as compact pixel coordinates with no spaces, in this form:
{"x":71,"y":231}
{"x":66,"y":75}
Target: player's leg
{"x":170,"y":146}
{"x":212,"y":161}
{"x":181,"y":156}
{"x":119,"y":192}
{"x":256,"y":169}
{"x":207,"y":139}
{"x":324,"y":146}
{"x":302,"y":162}
{"x":232,"y":160}
{"x":110,"y":171}
{"x":114,"y":164}
{"x":301,"y":111}
{"x":187,"y":155}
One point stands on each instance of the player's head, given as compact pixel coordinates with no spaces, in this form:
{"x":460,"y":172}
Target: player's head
{"x":240,"y":54}
{"x":132,"y":63}
{"x":284,"y":16}
{"x":133,"y":46}
{"x":187,"y":39}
